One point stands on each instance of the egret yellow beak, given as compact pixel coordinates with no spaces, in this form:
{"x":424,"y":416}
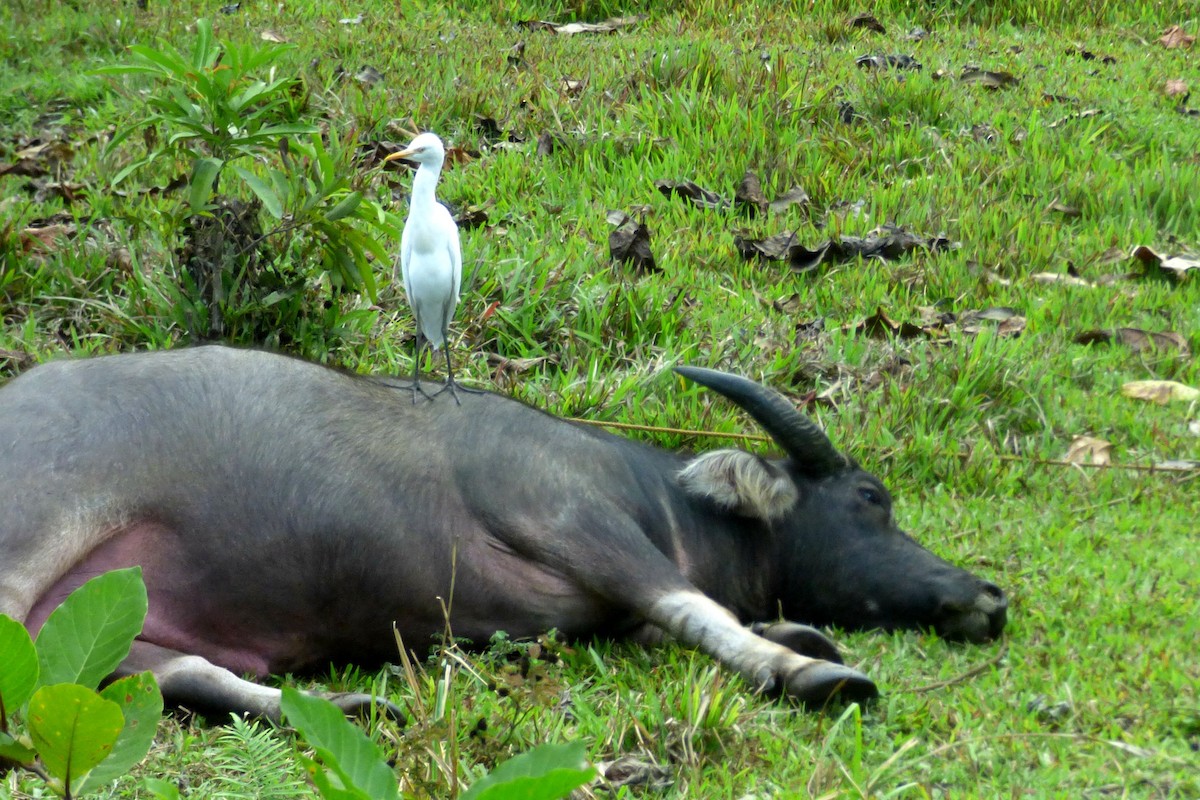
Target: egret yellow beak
{"x":405,"y":153}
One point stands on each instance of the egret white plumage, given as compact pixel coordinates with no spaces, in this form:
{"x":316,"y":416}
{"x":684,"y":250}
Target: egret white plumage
{"x":430,"y":256}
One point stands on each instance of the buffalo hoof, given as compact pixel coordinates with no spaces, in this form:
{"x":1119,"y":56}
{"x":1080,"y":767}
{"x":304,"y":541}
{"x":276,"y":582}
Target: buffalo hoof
{"x":799,"y":639}
{"x":362,"y":706}
{"x":820,"y":683}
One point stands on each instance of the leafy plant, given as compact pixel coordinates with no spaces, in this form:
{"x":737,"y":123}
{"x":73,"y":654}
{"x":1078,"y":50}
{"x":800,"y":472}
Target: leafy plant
{"x":53,"y":722}
{"x":348,"y":765}
{"x":215,"y":110}
{"x":216,"y":113}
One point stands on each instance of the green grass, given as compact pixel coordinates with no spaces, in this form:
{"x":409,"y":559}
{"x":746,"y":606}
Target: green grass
{"x":1100,"y":564}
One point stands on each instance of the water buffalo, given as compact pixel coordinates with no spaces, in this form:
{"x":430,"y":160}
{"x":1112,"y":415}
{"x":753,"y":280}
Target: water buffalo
{"x":286,"y":515}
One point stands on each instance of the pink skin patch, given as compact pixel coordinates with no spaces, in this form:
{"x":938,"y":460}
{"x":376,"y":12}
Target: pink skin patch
{"x":182,"y":614}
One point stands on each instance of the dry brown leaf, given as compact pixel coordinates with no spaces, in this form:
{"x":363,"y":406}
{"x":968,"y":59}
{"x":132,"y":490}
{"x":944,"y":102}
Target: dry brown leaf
{"x":1061,"y":277}
{"x":1136,"y":339}
{"x":749,"y":195}
{"x":1063,"y":208}
{"x":1175,"y":37}
{"x":45,"y":238}
{"x":1161,"y":392}
{"x":630,"y":244}
{"x":867,"y":21}
{"x":991,"y":79}
{"x":609,"y":25}
{"x":269,"y":35}
{"x":1089,"y":450}
{"x":1175,"y":88}
{"x":1175,"y":265}
{"x":796,"y":196}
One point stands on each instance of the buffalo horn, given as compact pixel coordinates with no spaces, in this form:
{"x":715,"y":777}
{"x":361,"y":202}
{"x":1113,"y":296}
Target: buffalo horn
{"x":800,"y":437}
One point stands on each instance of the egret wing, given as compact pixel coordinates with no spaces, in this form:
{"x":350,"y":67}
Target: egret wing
{"x":405,"y":261}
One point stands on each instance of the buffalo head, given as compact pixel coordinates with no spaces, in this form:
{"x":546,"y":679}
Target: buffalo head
{"x":844,"y":559}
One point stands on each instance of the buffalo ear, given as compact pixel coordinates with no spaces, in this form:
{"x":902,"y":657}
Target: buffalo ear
{"x":739,"y":482}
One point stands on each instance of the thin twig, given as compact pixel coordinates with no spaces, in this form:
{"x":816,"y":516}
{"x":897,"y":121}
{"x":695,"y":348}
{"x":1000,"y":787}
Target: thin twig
{"x":971,"y":673}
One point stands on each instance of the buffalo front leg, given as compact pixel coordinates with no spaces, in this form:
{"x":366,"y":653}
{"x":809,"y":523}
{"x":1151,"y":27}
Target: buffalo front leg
{"x":694,"y":619}
{"x":197,"y":683}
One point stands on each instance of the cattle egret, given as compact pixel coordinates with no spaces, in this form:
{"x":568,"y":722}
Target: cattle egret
{"x":430,"y":257}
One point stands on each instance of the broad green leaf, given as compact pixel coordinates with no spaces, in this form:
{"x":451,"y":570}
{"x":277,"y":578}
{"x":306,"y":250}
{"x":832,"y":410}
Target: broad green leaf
{"x":162,"y":789}
{"x":170,"y":66}
{"x":325,"y":783}
{"x":203,"y":54}
{"x":13,"y":750}
{"x":204,"y":174}
{"x":345,"y":207}
{"x":270,"y":200}
{"x":86,"y":637}
{"x":73,"y":729}
{"x":18,"y":665}
{"x":547,"y":772}
{"x":344,"y":748}
{"x":141,"y":704}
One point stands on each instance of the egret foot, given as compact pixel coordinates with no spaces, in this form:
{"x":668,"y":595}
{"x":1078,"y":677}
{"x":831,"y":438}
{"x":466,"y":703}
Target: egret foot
{"x":454,"y":388}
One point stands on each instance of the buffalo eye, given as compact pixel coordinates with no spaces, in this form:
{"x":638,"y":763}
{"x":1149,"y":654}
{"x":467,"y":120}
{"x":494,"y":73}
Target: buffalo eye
{"x":871,"y":495}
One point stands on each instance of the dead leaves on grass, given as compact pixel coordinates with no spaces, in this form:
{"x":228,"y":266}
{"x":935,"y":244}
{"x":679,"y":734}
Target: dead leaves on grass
{"x":630,"y":243}
{"x":610,"y":25}
{"x":1136,"y":339}
{"x":884,"y":243}
{"x":1176,"y":266}
{"x":1160,"y":392}
{"x":748,"y":198}
{"x":939,"y":325}
{"x":1174,"y":38}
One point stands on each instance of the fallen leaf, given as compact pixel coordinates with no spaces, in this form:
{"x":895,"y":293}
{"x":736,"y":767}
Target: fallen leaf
{"x":271,"y":36}
{"x":45,"y":238}
{"x":355,"y":20}
{"x":473,"y":216}
{"x":880,"y":326}
{"x":516,"y":55}
{"x":796,"y":196}
{"x":545,"y":145}
{"x":1176,"y":266}
{"x":988,"y":78}
{"x":514,"y":366}
{"x":1063,"y":208}
{"x":1174,"y":37}
{"x":571,"y":87}
{"x":1088,"y":55}
{"x":886,"y":243}
{"x":1135,"y":339}
{"x":630,"y":244}
{"x":749,"y":195}
{"x":700,"y":197}
{"x":610,"y":25}
{"x":887,"y":62}
{"x":1089,"y":450}
{"x":368,"y":75}
{"x":788,"y":305}
{"x":916,"y":34}
{"x":1060,"y":277}
{"x":1161,"y":392}
{"x":630,"y":771}
{"x":1175,"y":88}
{"x":867,"y":21}
{"x":1091,"y":112}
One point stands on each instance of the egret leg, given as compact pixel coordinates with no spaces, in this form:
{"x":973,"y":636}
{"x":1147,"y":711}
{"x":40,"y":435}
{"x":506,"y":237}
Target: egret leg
{"x":416,"y":383}
{"x":452,"y":384}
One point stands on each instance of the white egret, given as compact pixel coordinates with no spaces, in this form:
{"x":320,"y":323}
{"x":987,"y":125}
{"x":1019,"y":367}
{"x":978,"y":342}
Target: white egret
{"x":430,"y":257}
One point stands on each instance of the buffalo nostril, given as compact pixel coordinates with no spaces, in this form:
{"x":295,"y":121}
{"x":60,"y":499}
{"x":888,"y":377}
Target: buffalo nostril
{"x":996,"y":593}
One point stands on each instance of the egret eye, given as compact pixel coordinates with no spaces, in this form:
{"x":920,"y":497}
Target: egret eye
{"x":871,"y":495}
